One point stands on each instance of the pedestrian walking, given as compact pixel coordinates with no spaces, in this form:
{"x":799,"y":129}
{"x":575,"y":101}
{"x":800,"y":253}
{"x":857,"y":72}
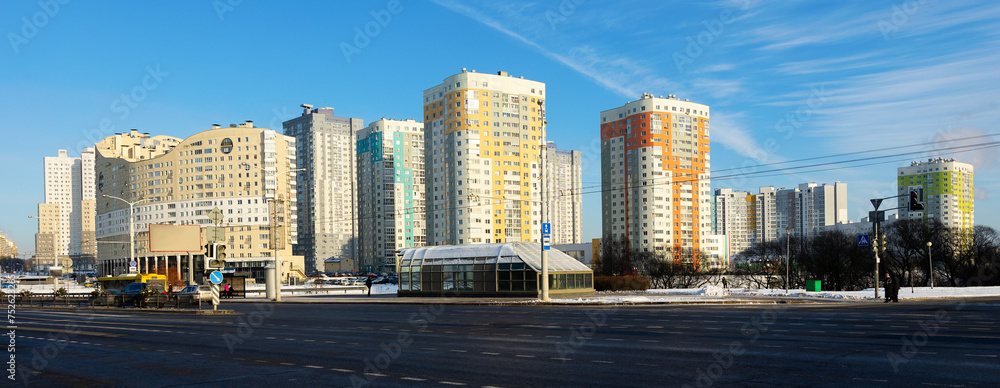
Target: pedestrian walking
{"x":368,"y":283}
{"x":891,"y":289}
{"x":725,"y":284}
{"x":227,"y":291}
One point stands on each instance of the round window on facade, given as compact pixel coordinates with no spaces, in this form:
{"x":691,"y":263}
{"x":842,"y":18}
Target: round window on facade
{"x":226,"y":146}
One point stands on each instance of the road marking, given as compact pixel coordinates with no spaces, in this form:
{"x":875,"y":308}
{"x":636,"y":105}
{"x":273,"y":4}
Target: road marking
{"x":260,"y":361}
{"x":330,"y":342}
{"x":650,"y":341}
{"x":196,"y":354}
{"x":459,"y":351}
{"x":310,"y":340}
{"x":451,"y":383}
{"x":553,"y":336}
{"x":641,"y":364}
{"x":375,"y":374}
{"x":490,"y":353}
{"x":602,"y":362}
{"x":342,"y":370}
{"x":613,"y":339}
{"x":270,"y":338}
{"x":773,"y":346}
{"x":654,"y":327}
{"x":413,"y":378}
{"x":289,"y":339}
{"x":562,"y":358}
{"x":314,"y":366}
{"x":287,"y":364}
{"x":524,"y":355}
{"x":981,"y":355}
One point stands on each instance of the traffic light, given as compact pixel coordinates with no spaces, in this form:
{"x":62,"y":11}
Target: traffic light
{"x":209,"y":250}
{"x":220,"y":252}
{"x":881,"y":243}
{"x":915,"y":204}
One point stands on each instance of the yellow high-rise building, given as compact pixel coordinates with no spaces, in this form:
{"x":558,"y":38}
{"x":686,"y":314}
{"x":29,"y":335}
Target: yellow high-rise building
{"x":484,"y":135}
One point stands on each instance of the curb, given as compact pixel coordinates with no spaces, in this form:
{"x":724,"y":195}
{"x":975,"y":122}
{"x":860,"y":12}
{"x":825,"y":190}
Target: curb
{"x":131,"y":310}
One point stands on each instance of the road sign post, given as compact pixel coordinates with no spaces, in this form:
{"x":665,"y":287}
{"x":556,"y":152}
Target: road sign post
{"x":215,"y":297}
{"x":863,"y":240}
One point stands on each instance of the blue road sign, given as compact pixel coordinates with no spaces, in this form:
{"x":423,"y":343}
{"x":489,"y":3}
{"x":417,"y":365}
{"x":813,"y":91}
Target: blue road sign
{"x":863,"y":240}
{"x":215,"y":277}
{"x":546,"y":228}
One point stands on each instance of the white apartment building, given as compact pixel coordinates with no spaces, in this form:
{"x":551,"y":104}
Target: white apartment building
{"x":483,"y":138}
{"x":69,"y":186}
{"x":564,"y":201}
{"x":655,"y":174}
{"x":327,"y":214}
{"x":947,"y":188}
{"x":390,"y":184}
{"x":731,"y":214}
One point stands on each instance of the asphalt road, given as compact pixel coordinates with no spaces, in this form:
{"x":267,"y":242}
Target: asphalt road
{"x":914,"y":343}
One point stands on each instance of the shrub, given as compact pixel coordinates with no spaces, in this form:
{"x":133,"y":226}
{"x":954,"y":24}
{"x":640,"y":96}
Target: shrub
{"x":621,"y":283}
{"x":60,"y":292}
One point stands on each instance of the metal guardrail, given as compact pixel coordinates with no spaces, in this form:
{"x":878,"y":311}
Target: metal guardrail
{"x":89,"y":300}
{"x":315,"y":290}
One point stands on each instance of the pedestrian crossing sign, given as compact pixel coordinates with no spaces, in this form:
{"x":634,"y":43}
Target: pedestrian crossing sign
{"x":863,"y":240}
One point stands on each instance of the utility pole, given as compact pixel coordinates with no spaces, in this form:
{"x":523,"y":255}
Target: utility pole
{"x":544,"y":208}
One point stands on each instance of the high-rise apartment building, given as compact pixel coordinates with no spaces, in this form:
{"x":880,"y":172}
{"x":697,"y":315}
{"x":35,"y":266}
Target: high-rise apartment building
{"x":247,"y":173}
{"x":69,"y":191}
{"x":483,"y":138}
{"x":327,"y":196}
{"x":763,"y":222}
{"x":732,"y":212}
{"x":7,"y":247}
{"x":804,"y":211}
{"x":818,"y":206}
{"x":655,"y":171}
{"x":390,"y":184}
{"x":564,"y":201}
{"x":947,"y":191}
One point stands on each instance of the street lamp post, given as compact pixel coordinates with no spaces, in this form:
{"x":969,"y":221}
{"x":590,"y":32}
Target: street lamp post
{"x":930,"y":265}
{"x":131,"y":223}
{"x":788,"y":244}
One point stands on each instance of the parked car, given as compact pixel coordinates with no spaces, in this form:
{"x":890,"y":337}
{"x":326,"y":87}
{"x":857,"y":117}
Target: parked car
{"x":195,"y":293}
{"x":108,"y":298}
{"x":138,"y":294}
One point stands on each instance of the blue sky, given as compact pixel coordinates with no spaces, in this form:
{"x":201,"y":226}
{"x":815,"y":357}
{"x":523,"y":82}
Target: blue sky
{"x":785,"y":80}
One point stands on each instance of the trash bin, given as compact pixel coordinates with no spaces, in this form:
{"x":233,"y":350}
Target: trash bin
{"x":813,"y":285}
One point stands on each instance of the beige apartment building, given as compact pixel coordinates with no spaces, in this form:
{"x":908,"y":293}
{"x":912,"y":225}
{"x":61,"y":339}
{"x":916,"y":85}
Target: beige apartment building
{"x":247,"y":173}
{"x":564,"y":187}
{"x":66,"y":222}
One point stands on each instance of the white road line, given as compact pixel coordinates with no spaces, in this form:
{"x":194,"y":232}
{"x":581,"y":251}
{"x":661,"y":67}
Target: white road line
{"x":602,"y":362}
{"x":310,"y":340}
{"x":342,"y":370}
{"x":428,"y":348}
{"x":981,"y":355}
{"x":451,"y":383}
{"x":287,"y":364}
{"x":562,"y":358}
{"x":459,"y":351}
{"x":553,"y":336}
{"x":375,"y":374}
{"x":524,"y":355}
{"x":330,"y":342}
{"x":314,"y":366}
{"x":654,"y":327}
{"x":413,"y":379}
{"x":270,"y":338}
{"x":196,"y":354}
{"x":614,"y":339}
{"x":650,"y":341}
{"x":490,"y":353}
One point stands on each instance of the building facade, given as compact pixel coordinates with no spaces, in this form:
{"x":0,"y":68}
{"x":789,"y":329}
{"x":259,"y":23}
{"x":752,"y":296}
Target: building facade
{"x":69,"y":191}
{"x":732,"y":212}
{"x":947,"y":188}
{"x":484,"y":136}
{"x":564,"y":201}
{"x":655,"y":174}
{"x":247,"y":173}
{"x":327,"y":213}
{"x":390,"y":184}
{"x":7,"y":247}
